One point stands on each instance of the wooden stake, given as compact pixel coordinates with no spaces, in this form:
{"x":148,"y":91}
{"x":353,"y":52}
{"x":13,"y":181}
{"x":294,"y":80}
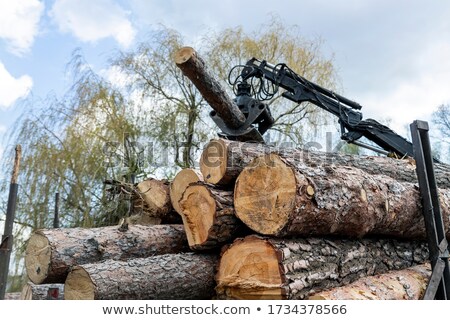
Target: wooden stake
{"x":8,"y":238}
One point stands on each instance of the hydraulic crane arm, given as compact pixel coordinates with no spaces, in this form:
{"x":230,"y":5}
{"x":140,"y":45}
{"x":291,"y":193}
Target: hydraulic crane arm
{"x":299,"y":89}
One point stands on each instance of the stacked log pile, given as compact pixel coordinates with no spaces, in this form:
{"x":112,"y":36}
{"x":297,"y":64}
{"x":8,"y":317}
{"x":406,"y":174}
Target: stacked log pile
{"x":282,"y":228}
{"x":257,"y":223}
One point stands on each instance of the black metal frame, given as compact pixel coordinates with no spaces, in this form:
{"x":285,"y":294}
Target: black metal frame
{"x":439,"y":284}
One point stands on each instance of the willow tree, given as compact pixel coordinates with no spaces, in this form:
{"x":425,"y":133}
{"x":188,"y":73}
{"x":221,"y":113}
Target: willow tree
{"x":71,"y":146}
{"x":173,"y":105}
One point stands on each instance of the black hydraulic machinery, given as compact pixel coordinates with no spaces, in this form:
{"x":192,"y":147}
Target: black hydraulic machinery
{"x":258,"y":81}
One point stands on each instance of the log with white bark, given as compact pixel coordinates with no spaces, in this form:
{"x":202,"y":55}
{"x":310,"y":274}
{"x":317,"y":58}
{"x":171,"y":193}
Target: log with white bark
{"x":273,"y":268}
{"x":281,"y":196}
{"x":179,"y":184}
{"x":208,"y":216}
{"x":406,"y":284}
{"x":172,"y":276}
{"x":193,"y":67}
{"x":51,"y":291}
{"x":51,"y":253}
{"x":223,"y":160}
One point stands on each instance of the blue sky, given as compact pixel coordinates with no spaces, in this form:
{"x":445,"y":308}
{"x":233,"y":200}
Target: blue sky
{"x":393,"y":57}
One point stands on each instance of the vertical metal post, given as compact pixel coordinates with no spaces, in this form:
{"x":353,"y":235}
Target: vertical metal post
{"x":56,"y":215}
{"x":7,"y":238}
{"x":439,"y":285}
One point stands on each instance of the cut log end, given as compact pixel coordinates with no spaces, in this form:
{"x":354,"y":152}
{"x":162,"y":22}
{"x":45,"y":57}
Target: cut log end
{"x":180,"y":183}
{"x":249,"y":270}
{"x":183,"y":55}
{"x":198,"y":209}
{"x":38,"y":258}
{"x":79,"y":285}
{"x":265,"y":194}
{"x":213,"y":163}
{"x":156,"y":195}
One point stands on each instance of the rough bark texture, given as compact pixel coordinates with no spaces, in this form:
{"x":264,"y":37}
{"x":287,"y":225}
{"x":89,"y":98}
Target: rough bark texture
{"x":179,"y":184}
{"x":53,"y":291}
{"x":13,"y":296}
{"x":269,"y":268}
{"x":223,"y":160}
{"x":277,"y":196}
{"x":208,"y":216}
{"x":172,"y":276}
{"x":195,"y":69}
{"x":407,"y":284}
{"x":50,"y":253}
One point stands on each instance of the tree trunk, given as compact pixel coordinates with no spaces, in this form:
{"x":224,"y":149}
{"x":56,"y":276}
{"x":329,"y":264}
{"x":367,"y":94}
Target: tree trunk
{"x":208,"y":216}
{"x":223,"y":160}
{"x":50,"y":253}
{"x":271,"y":268}
{"x":53,"y":291}
{"x":194,"y":68}
{"x":279,"y":197}
{"x":171,"y":276}
{"x":179,"y":184}
{"x":407,"y":284}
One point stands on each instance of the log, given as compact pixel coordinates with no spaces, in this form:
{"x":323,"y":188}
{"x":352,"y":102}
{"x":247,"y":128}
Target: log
{"x":52,"y":291}
{"x":271,"y":268}
{"x":51,"y":253}
{"x":280,"y":197}
{"x":171,"y":276}
{"x":193,"y":67}
{"x":179,"y":184}
{"x":208,"y":216}
{"x":223,"y":160}
{"x":154,"y":200}
{"x":407,"y":284}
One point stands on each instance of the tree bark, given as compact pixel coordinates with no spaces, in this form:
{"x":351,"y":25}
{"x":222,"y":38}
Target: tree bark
{"x":193,"y":67}
{"x":208,"y":216}
{"x":280,"y":197}
{"x":273,"y":268}
{"x":51,"y":253}
{"x":223,"y":160}
{"x":171,"y":276}
{"x":53,"y":291}
{"x":407,"y":284}
{"x":179,"y":184}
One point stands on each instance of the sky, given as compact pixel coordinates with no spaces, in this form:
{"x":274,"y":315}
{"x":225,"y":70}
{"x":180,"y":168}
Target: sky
{"x":393,"y":57}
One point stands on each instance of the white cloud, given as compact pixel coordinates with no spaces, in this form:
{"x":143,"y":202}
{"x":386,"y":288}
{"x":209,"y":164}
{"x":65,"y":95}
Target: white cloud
{"x":19,"y":21}
{"x":12,"y":88}
{"x":90,"y":20}
{"x":115,"y":76}
{"x":416,"y":96}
